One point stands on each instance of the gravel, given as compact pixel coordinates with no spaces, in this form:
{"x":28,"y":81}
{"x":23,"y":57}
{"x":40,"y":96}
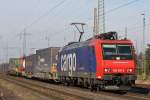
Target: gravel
{"x":5,"y":94}
{"x":10,"y":91}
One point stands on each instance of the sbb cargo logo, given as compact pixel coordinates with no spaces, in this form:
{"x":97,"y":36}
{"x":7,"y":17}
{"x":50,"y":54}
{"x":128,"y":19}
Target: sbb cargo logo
{"x":68,"y":63}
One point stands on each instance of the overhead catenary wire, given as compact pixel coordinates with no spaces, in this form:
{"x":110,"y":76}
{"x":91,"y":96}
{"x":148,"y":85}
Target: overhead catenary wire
{"x":47,"y":13}
{"x":121,"y":6}
{"x":136,"y":27}
{"x":118,"y":7}
{"x":44,"y":15}
{"x":23,"y":32}
{"x":60,"y":3}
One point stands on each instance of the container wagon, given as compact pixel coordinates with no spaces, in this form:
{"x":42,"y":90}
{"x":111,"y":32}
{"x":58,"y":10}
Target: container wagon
{"x":4,"y":68}
{"x":16,"y":66}
{"x":30,"y":64}
{"x":45,"y":65}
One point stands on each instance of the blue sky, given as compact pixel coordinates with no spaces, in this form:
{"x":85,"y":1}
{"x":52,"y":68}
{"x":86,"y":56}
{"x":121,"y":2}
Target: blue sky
{"x":17,"y":14}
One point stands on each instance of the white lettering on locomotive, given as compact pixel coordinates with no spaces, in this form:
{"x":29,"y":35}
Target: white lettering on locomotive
{"x":68,"y":63}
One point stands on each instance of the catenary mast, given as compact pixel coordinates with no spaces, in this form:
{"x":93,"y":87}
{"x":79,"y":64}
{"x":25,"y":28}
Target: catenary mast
{"x":101,"y":17}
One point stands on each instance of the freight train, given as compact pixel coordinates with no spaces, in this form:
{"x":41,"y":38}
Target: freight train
{"x":102,"y":62}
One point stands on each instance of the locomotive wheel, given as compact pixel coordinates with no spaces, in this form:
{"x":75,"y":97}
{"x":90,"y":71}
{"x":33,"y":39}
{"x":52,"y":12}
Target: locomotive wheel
{"x":98,"y":88}
{"x":93,"y":88}
{"x":66,"y":83}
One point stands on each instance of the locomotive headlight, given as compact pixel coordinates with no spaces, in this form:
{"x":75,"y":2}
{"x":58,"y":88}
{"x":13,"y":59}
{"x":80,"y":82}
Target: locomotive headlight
{"x":130,"y":70}
{"x":107,"y":70}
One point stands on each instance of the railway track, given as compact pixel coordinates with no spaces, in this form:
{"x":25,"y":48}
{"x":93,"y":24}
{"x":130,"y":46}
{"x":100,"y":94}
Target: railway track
{"x":53,"y":93}
{"x":59,"y":92}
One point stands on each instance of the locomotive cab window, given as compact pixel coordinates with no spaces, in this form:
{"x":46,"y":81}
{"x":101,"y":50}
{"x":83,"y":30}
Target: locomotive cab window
{"x":113,"y":51}
{"x":124,"y":49}
{"x":109,"y":49}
